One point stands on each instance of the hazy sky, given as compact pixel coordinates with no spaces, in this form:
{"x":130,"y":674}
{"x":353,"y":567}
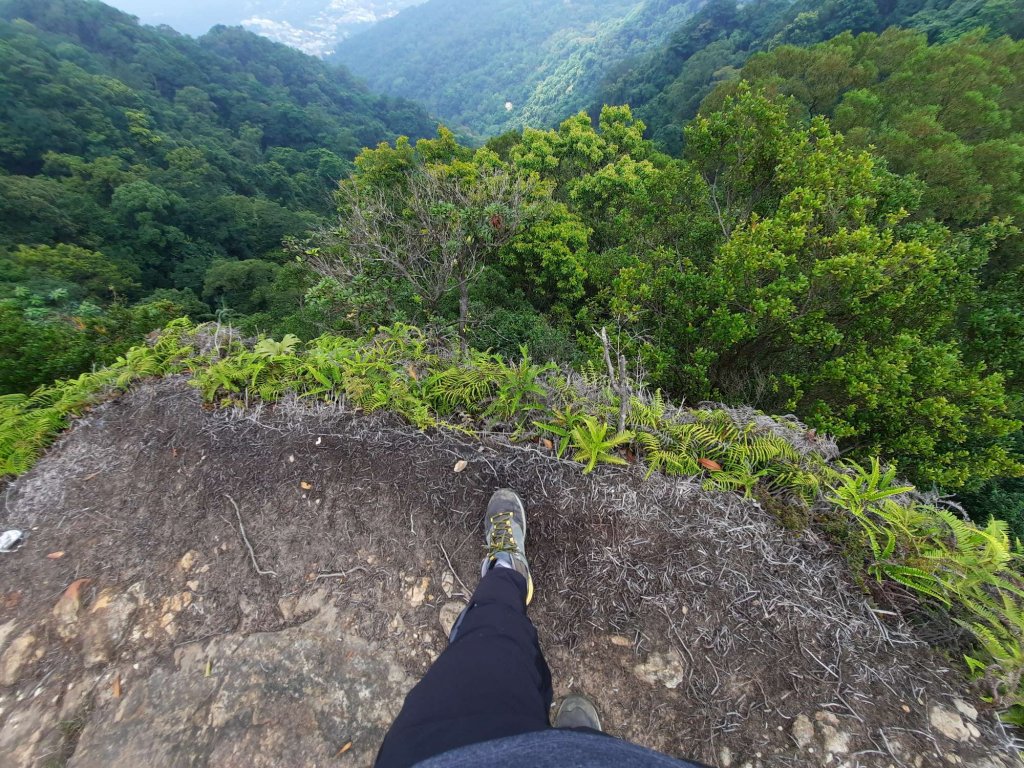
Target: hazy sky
{"x":191,"y":16}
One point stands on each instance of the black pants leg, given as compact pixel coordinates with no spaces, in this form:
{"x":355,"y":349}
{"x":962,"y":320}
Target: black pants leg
{"x":491,"y":681}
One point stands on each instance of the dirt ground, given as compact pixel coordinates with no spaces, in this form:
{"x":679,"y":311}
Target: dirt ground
{"x":698,"y":624}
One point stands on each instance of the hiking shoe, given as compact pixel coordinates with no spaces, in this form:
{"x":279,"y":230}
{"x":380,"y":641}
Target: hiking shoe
{"x":577,"y":712}
{"x":505,"y":536}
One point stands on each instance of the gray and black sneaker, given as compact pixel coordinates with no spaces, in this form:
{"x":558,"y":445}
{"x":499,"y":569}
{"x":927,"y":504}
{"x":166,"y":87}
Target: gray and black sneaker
{"x":577,"y":712}
{"x":505,"y":536}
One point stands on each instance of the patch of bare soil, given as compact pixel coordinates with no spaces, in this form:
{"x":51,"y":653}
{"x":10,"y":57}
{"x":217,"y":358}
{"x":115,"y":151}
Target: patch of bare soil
{"x":700,"y":626}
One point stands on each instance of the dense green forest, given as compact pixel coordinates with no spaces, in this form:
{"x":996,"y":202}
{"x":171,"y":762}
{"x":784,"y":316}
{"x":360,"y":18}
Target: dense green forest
{"x":837,"y":236}
{"x":938,"y":102}
{"x":813,"y":209}
{"x":665,"y":87}
{"x":775,"y":264}
{"x":145,"y":174}
{"x":465,"y":59}
{"x":950,"y":116}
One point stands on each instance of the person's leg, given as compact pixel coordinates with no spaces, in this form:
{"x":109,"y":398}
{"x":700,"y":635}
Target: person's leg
{"x":491,"y":681}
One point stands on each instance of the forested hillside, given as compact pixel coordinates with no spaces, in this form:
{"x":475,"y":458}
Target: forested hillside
{"x":665,"y":87}
{"x":951,"y":117}
{"x":144,"y":174}
{"x":863,"y":273}
{"x":815,"y":223}
{"x":492,"y":65}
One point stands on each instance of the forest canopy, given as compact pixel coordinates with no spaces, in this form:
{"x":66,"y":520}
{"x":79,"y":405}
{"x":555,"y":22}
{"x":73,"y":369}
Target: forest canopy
{"x":158,"y":162}
{"x":775,"y":265}
{"x":828,"y":229}
{"x":666,"y":85}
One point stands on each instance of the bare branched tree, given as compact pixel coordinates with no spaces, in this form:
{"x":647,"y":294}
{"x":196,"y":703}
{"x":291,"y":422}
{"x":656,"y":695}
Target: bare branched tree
{"x":438,"y":233}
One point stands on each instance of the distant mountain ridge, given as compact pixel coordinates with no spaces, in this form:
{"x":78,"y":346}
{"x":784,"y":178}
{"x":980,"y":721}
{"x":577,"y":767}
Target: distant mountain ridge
{"x":495,"y":65}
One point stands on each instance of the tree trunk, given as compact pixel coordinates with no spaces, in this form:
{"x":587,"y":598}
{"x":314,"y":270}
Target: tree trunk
{"x":463,"y":314}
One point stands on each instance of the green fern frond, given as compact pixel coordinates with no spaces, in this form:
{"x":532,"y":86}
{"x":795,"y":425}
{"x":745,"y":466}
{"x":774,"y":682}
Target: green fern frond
{"x":647,"y":415}
{"x":268,"y":348}
{"x":594,"y":445}
{"x":918,"y":580}
{"x":463,"y":387}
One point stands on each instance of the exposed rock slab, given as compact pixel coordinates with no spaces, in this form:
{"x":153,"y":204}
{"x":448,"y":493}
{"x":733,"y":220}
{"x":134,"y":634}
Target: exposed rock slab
{"x":293,"y":697}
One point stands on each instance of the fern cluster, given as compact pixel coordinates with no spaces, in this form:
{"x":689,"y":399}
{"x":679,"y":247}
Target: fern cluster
{"x":372,"y":373}
{"x":971,"y":571}
{"x":29,"y":423}
{"x":741,"y":455}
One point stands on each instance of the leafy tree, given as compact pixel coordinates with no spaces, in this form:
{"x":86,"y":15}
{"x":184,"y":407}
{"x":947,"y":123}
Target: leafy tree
{"x":908,"y":101}
{"x":950,"y":114}
{"x":38,"y":351}
{"x":812,"y":293}
{"x":847,"y":316}
{"x":244,"y":287}
{"x":81,"y":272}
{"x":48,"y":337}
{"x":437,"y":231}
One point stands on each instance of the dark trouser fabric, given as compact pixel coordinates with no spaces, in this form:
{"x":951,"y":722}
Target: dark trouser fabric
{"x":491,"y":682}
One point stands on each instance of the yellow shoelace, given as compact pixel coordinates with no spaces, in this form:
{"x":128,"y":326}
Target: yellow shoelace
{"x":502,"y":538}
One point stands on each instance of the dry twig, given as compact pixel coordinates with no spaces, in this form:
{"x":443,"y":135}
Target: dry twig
{"x":252,"y":555}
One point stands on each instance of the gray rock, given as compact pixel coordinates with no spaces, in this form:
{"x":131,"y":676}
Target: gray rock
{"x":966,"y":709}
{"x":948,"y":723}
{"x":66,"y":609}
{"x":304,"y":605}
{"x":108,"y":622}
{"x":76,"y":698}
{"x":397,"y":625}
{"x":661,"y":668}
{"x":448,"y":615}
{"x":827,"y":718}
{"x":314,"y":680}
{"x":23,"y":732}
{"x":836,"y":742}
{"x":448,"y":583}
{"x":417,"y":593}
{"x":187,"y":561}
{"x":21,"y":652}
{"x":6,"y":631}
{"x":803,"y":731}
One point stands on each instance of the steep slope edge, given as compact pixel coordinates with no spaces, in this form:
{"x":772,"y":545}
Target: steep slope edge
{"x":701,"y":626}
